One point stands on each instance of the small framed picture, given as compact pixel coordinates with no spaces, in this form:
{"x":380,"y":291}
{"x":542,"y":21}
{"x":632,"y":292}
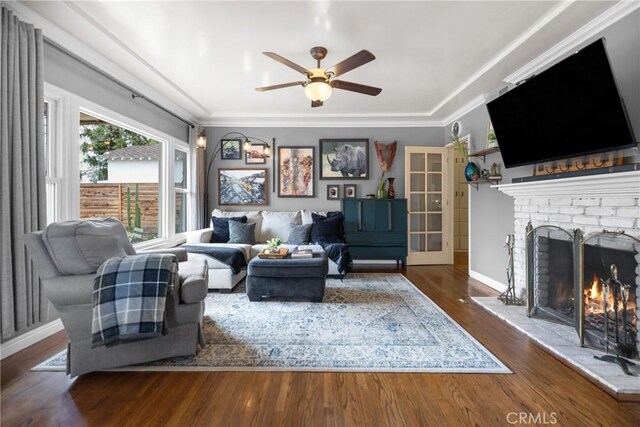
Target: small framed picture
{"x":231,"y":149}
{"x":333,"y":192}
{"x":255,"y":155}
{"x":350,"y":191}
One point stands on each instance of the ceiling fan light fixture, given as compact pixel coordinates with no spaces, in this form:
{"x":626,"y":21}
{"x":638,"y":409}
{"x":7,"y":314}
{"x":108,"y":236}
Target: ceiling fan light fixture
{"x":318,"y":91}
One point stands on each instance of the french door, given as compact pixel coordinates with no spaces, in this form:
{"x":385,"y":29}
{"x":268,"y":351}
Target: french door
{"x":428,"y":188}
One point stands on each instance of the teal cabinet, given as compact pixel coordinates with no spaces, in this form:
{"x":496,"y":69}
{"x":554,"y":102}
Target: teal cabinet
{"x":376,"y":228}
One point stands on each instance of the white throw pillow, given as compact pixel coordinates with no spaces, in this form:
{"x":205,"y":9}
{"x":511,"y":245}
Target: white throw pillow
{"x":276,"y":224}
{"x":252,"y":217}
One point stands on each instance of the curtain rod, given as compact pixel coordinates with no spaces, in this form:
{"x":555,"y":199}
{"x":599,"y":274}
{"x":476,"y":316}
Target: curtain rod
{"x":134,"y":93}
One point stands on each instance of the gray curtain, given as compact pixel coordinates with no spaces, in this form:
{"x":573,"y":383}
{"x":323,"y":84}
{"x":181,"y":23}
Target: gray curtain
{"x":22,"y":172}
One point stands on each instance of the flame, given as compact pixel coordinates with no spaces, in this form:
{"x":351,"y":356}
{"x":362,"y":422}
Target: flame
{"x":594,"y":299}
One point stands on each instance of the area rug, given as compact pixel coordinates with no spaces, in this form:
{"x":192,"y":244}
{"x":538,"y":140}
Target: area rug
{"x":366,"y":323}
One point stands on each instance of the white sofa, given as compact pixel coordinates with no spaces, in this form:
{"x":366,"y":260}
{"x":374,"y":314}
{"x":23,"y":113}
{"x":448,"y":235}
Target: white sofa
{"x":269,"y":224}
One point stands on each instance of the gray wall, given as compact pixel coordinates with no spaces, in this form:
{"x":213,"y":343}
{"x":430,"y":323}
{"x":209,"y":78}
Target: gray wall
{"x":67,"y":73}
{"x":492,"y":211}
{"x":310,"y":137}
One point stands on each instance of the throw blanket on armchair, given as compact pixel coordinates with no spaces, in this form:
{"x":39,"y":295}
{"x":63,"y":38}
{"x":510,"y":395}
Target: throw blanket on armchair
{"x":129,"y":295}
{"x":232,"y":257}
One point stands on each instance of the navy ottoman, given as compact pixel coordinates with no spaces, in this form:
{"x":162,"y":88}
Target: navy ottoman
{"x":295,"y":278}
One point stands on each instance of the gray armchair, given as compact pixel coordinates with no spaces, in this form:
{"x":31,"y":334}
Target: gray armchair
{"x":71,"y":295}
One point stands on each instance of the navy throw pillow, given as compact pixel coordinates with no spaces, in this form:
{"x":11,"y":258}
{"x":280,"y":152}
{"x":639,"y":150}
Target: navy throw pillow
{"x":221,"y":227}
{"x":327,"y":229}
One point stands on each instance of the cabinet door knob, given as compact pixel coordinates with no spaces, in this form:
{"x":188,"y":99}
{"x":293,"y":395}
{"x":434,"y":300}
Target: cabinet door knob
{"x":456,"y":194}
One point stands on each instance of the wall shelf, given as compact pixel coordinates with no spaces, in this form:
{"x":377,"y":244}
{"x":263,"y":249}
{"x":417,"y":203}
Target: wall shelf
{"x":484,"y":153}
{"x":490,"y":179}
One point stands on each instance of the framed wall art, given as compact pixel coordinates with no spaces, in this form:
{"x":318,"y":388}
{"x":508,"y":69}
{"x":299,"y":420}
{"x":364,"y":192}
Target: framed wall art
{"x":344,"y":159}
{"x":296,"y":171}
{"x":350,"y":191}
{"x":255,"y":155}
{"x":230,"y":149}
{"x":242,"y":187}
{"x":333,"y":192}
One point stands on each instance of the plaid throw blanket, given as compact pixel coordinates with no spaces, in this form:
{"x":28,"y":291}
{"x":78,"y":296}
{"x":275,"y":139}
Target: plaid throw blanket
{"x":129,"y":295}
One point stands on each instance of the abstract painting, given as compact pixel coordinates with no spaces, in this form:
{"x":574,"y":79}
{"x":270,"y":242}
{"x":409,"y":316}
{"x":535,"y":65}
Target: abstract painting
{"x":242,"y":187}
{"x":295,"y":171}
{"x":344,"y":159}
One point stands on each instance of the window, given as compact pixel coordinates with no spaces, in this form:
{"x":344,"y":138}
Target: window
{"x":101,"y":163}
{"x":180,"y":178}
{"x":120,"y":177}
{"x":52,"y":181}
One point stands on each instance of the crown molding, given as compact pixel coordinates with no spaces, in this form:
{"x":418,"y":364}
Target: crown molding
{"x":608,"y":18}
{"x":333,"y":121}
{"x":74,"y":45}
{"x":467,"y":108}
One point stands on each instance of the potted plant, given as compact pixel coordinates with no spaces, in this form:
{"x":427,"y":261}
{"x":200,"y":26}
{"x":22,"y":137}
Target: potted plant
{"x":273,"y":245}
{"x":471,"y":170}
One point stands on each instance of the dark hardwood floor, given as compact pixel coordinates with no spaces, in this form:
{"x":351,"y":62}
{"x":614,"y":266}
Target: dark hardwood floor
{"x":541,"y":390}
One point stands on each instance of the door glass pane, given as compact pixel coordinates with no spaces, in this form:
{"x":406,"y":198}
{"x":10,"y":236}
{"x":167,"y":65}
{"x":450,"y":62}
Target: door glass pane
{"x":417,"y":182}
{"x":434,"y":162}
{"x":417,"y":202}
{"x":417,"y":243}
{"x":434,"y":242}
{"x":180,"y":169}
{"x":417,"y":162}
{"x":434,"y":202}
{"x":434,"y":222}
{"x":434,"y":181}
{"x":418,"y":222}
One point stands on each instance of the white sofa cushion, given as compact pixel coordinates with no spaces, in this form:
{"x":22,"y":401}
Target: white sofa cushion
{"x":276,"y":224}
{"x":252,"y":217}
{"x":306,"y":216}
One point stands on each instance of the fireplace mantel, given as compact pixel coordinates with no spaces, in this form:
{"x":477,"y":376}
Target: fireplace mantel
{"x":621,"y":184}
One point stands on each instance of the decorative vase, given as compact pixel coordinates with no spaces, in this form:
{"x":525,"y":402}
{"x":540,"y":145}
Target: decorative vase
{"x":391,"y":192}
{"x":381,"y":193}
{"x":471,"y":172}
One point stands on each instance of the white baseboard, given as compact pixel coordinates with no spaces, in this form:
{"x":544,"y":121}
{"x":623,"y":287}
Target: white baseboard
{"x":500,"y":287}
{"x":29,"y":338}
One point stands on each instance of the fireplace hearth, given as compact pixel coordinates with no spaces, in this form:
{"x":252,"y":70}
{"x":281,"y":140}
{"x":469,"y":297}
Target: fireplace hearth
{"x":589,"y":282}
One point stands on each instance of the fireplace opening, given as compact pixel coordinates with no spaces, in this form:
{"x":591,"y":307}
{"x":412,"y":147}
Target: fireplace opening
{"x":551,"y":272}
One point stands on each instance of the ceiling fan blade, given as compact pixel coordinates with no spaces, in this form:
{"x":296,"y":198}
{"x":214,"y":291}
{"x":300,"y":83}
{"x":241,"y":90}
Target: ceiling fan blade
{"x":315,"y":104}
{"x":286,"y":62}
{"x":355,"y":87}
{"x":280,"y":86}
{"x":352,"y":62}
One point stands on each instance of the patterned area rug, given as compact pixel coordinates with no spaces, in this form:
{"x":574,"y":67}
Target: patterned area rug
{"x":367,"y":323}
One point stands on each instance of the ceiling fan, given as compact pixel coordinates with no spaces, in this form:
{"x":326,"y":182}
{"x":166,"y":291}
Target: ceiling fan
{"x":320,"y":83}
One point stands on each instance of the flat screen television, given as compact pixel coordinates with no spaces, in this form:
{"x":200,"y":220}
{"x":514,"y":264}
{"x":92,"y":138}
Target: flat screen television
{"x":571,"y":109}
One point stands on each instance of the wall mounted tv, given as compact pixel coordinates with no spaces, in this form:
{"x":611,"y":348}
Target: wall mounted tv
{"x":571,"y":109}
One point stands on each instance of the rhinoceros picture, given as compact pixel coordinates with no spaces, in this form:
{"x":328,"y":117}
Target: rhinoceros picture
{"x":344,"y":158}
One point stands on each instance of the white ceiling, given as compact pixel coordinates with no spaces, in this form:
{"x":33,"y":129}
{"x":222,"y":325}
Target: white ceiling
{"x":433,"y":58}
